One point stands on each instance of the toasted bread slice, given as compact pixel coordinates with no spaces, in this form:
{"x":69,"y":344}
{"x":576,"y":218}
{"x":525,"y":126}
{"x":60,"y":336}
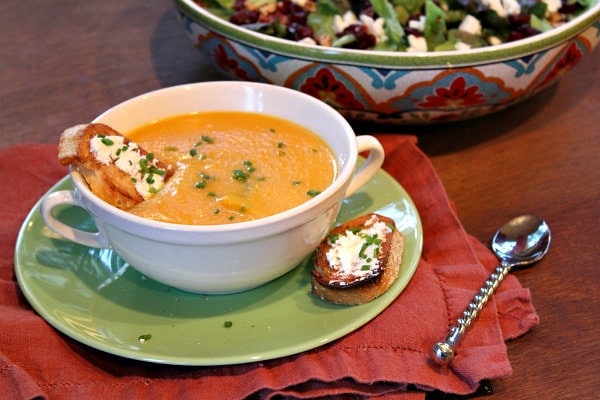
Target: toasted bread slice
{"x":116,"y":169}
{"x":358,"y":261}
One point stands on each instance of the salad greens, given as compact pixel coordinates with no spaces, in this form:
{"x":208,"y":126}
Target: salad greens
{"x":399,"y":25}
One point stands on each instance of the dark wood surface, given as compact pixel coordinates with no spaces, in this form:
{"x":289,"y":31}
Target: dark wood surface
{"x":64,"y":62}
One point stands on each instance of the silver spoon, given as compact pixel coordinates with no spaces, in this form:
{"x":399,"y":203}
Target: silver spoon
{"x":522,"y":241}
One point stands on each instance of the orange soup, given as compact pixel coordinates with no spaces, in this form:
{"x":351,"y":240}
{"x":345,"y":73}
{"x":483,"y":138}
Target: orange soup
{"x":233,"y":167}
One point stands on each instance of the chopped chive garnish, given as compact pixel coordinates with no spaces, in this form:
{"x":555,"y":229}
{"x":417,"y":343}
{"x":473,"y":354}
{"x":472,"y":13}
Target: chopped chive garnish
{"x":193,"y":152}
{"x":200,"y":185}
{"x":144,"y":338}
{"x":228,"y":324}
{"x":144,"y":165}
{"x":207,"y":139}
{"x":157,"y":171}
{"x":313,"y":193}
{"x":107,"y":141}
{"x":249,"y":165}
{"x":239,"y":175}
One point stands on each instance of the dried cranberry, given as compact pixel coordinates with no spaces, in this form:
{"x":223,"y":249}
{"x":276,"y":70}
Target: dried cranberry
{"x":518,"y":20}
{"x":412,"y":31}
{"x":285,"y":6}
{"x":368,"y":10}
{"x":297,"y":15}
{"x":239,"y":5}
{"x":299,"y":32}
{"x":523,"y":32}
{"x":364,"y":39}
{"x":570,"y":8}
{"x":244,"y":17}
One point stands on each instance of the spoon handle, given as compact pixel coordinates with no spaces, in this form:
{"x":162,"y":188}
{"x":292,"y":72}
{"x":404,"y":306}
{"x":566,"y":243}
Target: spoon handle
{"x":443,"y":352}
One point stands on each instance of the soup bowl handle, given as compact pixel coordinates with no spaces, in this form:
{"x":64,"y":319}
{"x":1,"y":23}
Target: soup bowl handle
{"x":370,"y":166}
{"x":62,"y":198}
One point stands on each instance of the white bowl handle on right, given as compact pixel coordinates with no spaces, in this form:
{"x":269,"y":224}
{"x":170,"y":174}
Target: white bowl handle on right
{"x":371,"y":165}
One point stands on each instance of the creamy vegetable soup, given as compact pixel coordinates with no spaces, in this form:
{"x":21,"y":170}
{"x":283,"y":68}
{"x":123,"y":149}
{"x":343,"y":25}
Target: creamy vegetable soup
{"x":233,"y":167}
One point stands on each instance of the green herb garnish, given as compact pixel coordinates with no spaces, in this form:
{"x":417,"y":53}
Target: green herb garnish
{"x":145,"y":337}
{"x":249,"y":165}
{"x":240,"y":175}
{"x":157,"y":171}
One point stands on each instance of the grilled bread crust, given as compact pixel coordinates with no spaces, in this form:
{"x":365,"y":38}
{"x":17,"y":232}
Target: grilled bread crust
{"x":107,"y":181}
{"x":355,"y":292}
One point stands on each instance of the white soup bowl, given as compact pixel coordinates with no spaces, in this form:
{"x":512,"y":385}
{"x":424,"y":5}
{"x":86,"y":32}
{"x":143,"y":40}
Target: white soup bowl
{"x":217,"y":259}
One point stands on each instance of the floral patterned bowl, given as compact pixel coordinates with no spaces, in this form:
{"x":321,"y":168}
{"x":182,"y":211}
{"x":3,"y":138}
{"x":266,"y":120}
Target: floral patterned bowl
{"x":397,"y":87}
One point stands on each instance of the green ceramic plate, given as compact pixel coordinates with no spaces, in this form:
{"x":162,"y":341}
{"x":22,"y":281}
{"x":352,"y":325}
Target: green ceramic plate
{"x":95,"y":298}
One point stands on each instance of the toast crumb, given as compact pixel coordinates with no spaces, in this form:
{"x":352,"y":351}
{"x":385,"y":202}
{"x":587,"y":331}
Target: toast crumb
{"x":116,"y":169}
{"x":358,"y":261}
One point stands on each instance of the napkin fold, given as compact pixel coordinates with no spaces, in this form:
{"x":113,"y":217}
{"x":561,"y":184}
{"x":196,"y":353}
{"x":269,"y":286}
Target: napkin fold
{"x":387,"y":358}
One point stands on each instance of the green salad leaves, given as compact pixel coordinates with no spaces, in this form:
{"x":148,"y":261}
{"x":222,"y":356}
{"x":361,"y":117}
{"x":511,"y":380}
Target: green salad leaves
{"x":399,"y":25}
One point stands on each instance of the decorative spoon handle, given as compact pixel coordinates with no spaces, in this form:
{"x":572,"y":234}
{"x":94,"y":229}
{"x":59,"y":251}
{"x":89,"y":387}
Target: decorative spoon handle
{"x":443,"y":352}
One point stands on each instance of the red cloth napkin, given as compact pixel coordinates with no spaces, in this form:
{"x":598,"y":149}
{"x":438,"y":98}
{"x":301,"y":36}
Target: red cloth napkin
{"x":388,"y":357}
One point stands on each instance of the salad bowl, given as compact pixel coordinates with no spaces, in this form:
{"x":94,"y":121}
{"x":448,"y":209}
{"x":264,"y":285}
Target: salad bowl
{"x":396,"y":87}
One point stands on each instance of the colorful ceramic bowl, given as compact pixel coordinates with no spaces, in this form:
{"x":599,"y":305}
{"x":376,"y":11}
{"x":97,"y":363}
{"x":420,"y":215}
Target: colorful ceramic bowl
{"x":397,"y":87}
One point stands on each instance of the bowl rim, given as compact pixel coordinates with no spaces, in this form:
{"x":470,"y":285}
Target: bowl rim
{"x":484,"y":55}
{"x":272,"y":224}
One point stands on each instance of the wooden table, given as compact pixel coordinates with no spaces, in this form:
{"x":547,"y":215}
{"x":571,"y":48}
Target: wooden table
{"x":63,"y":62}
